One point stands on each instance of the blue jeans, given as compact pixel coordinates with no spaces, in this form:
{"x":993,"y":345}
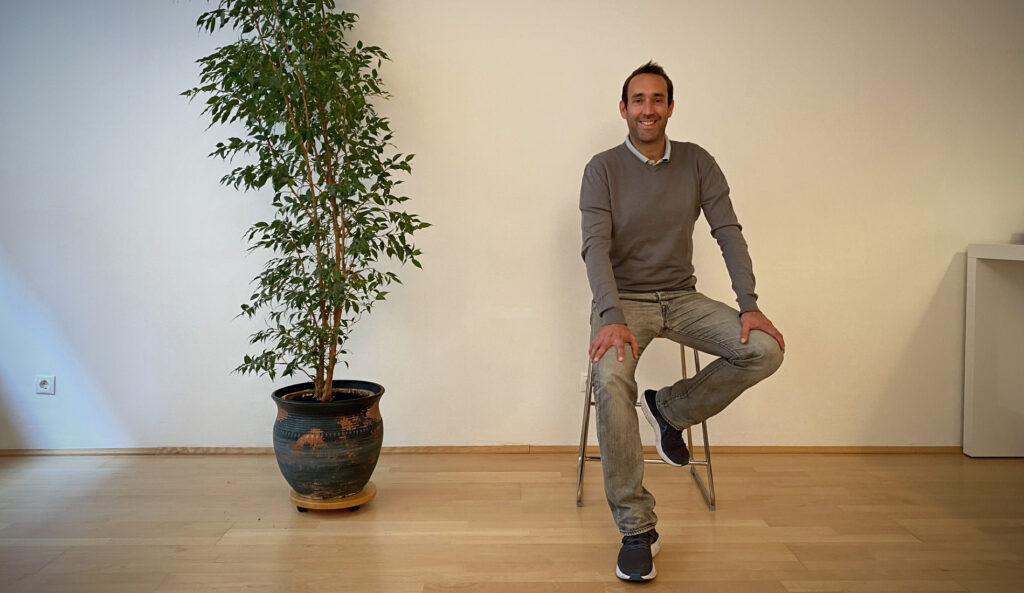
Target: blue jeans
{"x":691,"y":319}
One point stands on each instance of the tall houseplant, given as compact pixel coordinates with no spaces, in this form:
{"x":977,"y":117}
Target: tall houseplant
{"x":303,"y":97}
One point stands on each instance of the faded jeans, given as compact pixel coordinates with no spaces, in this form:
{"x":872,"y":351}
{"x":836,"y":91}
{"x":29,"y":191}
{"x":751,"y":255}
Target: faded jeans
{"x":691,"y":319}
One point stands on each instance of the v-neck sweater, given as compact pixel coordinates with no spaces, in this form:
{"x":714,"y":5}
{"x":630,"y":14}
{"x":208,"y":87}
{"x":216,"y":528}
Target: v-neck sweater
{"x":638,"y":221}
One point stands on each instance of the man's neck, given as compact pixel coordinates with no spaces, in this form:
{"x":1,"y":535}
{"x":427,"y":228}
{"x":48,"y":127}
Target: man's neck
{"x":652,"y":150}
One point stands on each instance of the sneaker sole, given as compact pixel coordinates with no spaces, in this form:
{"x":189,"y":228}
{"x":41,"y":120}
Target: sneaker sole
{"x":636,"y":578}
{"x":649,"y":415}
{"x":655,"y":548}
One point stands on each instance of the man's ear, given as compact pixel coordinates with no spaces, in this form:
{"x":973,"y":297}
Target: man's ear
{"x":622,"y":109}
{"x":671,"y":106}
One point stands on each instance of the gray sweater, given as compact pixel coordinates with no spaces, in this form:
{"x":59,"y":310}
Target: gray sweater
{"x":638,"y":224}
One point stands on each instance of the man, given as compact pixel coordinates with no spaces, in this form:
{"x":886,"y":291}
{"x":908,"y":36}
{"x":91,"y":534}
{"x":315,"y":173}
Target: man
{"x":639,"y":203}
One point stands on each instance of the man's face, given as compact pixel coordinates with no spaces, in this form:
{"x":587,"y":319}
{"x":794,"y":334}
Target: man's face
{"x":646,"y":109}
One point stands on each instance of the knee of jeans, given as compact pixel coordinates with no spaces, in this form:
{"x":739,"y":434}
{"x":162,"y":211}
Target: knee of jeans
{"x":761,"y":352}
{"x":614,"y":379}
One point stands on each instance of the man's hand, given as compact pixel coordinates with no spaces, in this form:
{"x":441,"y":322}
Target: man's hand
{"x":752,"y":320}
{"x":613,"y":334}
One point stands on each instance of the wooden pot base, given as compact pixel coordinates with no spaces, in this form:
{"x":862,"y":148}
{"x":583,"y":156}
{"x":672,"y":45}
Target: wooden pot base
{"x":353,"y":501}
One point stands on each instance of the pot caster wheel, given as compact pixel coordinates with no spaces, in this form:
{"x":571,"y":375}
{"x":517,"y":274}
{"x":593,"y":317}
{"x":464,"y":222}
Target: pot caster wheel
{"x":354,"y":509}
{"x":302,"y":509}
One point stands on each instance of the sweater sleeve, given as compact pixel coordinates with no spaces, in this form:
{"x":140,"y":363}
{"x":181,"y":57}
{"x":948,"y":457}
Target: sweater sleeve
{"x":726,"y":229}
{"x":596,"y":216}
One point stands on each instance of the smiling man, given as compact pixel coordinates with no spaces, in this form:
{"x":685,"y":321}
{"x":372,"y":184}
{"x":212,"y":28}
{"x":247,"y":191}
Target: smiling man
{"x":639,"y":202}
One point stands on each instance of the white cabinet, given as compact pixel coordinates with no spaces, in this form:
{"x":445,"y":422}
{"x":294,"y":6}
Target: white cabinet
{"x":994,"y":351}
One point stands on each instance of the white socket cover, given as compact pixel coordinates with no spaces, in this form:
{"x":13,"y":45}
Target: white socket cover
{"x":46,"y":384}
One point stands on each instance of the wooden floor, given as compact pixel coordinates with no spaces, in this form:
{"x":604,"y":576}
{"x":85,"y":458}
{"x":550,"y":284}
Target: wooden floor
{"x":508,"y":523}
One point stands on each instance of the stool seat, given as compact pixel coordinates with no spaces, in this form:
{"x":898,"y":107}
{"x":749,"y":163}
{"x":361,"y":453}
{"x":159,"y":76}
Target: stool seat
{"x":706,"y":488}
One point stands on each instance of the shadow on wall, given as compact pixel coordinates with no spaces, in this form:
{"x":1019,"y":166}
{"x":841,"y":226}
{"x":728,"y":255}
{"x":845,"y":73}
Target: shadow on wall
{"x":569,"y":280}
{"x":10,"y":437}
{"x":32,"y":341}
{"x":569,"y":312}
{"x":927,"y":376}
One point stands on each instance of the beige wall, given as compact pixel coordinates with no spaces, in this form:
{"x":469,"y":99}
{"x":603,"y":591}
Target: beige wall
{"x":866,"y":144}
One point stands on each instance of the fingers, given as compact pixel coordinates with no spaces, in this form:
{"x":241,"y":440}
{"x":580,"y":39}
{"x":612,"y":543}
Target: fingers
{"x":766,"y":326}
{"x":778,"y":338}
{"x":600,"y":345}
{"x":610,"y":336}
{"x":769,"y":328}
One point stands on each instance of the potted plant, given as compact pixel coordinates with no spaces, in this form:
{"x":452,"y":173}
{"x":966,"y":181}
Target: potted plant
{"x":311,"y":139}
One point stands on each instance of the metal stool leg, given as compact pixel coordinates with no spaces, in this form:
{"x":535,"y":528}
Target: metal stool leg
{"x":584,"y":433}
{"x":707,"y":489}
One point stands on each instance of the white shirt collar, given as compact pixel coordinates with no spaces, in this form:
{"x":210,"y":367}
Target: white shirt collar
{"x":647,"y":161}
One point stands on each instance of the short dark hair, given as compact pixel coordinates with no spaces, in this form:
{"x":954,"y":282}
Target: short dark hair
{"x":649,"y":68}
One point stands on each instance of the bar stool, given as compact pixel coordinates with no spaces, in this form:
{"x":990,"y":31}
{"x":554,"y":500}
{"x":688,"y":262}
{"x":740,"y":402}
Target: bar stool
{"x":707,"y":489}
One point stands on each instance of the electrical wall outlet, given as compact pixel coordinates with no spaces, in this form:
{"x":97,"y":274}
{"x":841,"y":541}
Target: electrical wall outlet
{"x":46,"y":384}
{"x":583,"y":382}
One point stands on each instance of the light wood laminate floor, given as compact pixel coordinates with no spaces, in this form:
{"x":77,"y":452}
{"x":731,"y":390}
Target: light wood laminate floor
{"x":508,"y":523}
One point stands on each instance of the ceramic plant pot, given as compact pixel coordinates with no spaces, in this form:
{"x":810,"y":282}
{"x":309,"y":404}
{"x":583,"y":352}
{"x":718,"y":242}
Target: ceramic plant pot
{"x":328,"y":450}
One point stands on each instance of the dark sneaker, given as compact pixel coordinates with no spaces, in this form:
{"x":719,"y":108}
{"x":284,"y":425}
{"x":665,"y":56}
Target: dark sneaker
{"x":669,"y":440}
{"x":636,"y":557}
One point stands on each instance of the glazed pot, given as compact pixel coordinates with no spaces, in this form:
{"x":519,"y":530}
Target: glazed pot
{"x":328,"y":450}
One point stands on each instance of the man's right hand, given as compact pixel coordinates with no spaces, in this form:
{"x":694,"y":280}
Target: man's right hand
{"x":613,"y":334}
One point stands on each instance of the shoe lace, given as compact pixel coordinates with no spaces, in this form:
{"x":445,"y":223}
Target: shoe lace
{"x":640,"y":540}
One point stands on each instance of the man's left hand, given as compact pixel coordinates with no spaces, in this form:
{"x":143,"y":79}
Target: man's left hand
{"x":752,"y":320}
